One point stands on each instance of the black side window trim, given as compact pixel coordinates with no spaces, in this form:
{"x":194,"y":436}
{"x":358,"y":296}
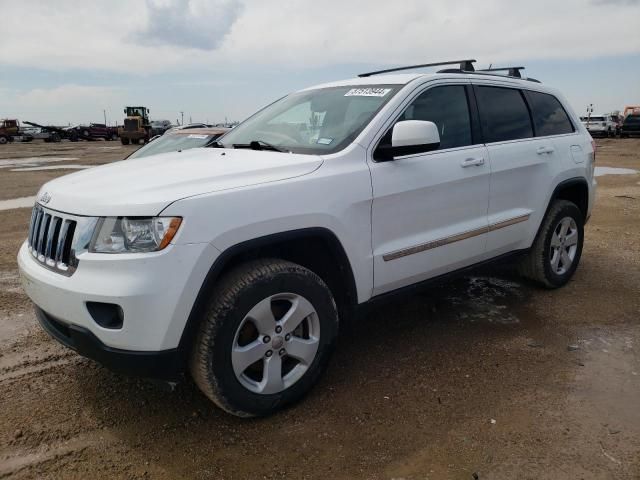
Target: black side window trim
{"x":528,"y":102}
{"x":476,"y":128}
{"x":523,"y":94}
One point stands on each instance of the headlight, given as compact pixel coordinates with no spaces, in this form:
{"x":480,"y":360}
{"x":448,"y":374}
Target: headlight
{"x":133,"y":234}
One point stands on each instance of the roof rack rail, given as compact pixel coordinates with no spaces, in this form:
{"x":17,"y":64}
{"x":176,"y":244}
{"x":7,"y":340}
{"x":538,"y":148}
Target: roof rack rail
{"x":465,"y":65}
{"x":512,"y":71}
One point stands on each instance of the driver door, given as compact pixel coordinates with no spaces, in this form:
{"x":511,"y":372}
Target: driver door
{"x":429,"y":213}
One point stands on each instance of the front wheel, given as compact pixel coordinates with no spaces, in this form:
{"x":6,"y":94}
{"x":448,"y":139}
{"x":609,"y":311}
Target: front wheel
{"x":266,"y":337}
{"x":556,"y":251}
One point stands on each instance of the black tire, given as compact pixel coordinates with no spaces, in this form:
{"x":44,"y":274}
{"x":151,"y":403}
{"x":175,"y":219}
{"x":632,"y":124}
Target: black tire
{"x":231,"y":299}
{"x":125,"y":141}
{"x":4,"y":140}
{"x":536,"y":265}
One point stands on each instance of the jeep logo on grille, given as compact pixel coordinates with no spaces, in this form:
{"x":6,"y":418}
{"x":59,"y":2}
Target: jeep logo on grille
{"x":45,"y":198}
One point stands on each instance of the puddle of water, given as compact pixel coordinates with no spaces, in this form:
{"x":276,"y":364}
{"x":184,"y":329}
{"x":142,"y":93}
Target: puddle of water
{"x":22,"y":202}
{"x":486,"y":299}
{"x":52,"y":167}
{"x":599,"y":171}
{"x":32,"y":161}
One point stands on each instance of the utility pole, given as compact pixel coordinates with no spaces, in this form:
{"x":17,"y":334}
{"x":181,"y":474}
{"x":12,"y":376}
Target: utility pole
{"x":589,"y":112}
{"x":104,"y":112}
{"x":182,"y":116}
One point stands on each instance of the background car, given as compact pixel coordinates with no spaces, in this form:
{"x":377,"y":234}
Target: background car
{"x":601,"y":125}
{"x":630,"y":126}
{"x":177,"y":140}
{"x":158,"y":127}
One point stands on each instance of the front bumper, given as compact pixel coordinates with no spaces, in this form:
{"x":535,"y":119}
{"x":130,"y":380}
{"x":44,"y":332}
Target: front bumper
{"x":164,"y":365}
{"x":156,"y":292}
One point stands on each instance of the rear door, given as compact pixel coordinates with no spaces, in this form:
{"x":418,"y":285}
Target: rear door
{"x":522,"y":167}
{"x":429,"y":212}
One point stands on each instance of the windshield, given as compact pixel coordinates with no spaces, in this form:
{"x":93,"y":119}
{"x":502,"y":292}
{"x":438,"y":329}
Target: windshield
{"x":135,"y":111}
{"x":172,"y":143}
{"x":317,"y":121}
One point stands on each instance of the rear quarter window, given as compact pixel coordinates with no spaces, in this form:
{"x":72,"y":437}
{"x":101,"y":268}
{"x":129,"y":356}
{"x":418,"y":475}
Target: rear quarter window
{"x":549,"y":117}
{"x":503,"y":114}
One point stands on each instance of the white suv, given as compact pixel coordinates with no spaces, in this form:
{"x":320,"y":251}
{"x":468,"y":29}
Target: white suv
{"x":237,"y":263}
{"x":603,"y":125}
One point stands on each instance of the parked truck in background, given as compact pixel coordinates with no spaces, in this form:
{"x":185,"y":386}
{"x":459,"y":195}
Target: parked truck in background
{"x":8,"y":130}
{"x":136,"y":126}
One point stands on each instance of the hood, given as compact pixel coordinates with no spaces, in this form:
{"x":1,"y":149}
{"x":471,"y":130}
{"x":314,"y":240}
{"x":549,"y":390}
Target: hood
{"x":145,"y":186}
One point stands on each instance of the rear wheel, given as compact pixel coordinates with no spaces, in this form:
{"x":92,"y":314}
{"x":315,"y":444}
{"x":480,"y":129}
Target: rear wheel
{"x":556,"y":251}
{"x":267,"y":336}
{"x":3,"y":140}
{"x":125,"y":141}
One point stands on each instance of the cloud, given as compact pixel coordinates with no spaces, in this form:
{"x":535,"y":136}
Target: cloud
{"x":70,"y":102}
{"x":181,"y":35}
{"x":200,"y":24}
{"x":616,"y":2}
{"x":415,"y":31}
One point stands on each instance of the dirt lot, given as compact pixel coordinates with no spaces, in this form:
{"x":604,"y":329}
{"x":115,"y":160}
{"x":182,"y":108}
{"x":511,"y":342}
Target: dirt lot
{"x":484,"y":377}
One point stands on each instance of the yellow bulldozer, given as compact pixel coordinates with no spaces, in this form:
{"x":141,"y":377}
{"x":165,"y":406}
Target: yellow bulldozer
{"x":136,"y":126}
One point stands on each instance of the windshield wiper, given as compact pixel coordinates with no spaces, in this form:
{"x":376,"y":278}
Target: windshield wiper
{"x":215,"y":144}
{"x":259,"y":145}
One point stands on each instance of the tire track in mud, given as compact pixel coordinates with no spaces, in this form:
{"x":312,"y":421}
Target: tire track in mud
{"x":11,"y":372}
{"x":18,"y":460}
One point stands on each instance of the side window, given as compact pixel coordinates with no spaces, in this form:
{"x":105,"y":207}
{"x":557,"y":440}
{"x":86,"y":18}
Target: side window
{"x":503,"y":114}
{"x":447,"y":107}
{"x":548,"y":115}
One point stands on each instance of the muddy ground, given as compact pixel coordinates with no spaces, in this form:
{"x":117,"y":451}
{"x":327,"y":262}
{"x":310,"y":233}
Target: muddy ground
{"x":486,"y":375}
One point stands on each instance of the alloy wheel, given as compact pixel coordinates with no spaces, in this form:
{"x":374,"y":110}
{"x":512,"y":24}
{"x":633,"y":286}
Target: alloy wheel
{"x":564,"y":245}
{"x":275,"y":343}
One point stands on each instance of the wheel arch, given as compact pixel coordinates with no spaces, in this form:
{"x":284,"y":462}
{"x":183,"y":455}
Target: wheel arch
{"x":316,"y":248}
{"x":575,"y":190}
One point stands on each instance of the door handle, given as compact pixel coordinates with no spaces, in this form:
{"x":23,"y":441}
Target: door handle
{"x":543,"y":150}
{"x":470,"y":162}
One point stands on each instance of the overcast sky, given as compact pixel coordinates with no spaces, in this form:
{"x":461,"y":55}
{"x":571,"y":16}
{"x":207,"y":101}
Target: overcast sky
{"x":67,"y":61}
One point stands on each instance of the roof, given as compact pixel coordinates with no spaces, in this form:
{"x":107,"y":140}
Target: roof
{"x":386,"y":79}
{"x":200,"y":131}
{"x":405,"y":78}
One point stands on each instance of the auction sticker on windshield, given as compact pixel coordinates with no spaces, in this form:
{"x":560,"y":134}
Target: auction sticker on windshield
{"x":193,"y":135}
{"x":367,"y":92}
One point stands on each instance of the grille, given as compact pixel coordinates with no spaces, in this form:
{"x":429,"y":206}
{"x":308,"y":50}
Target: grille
{"x":130,"y":125}
{"x":51,"y":238}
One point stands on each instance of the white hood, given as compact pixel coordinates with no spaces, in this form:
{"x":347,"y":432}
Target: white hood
{"x":145,"y":186}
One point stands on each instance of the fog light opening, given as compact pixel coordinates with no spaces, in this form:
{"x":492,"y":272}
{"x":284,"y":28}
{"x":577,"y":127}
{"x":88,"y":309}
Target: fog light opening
{"x":107,"y":315}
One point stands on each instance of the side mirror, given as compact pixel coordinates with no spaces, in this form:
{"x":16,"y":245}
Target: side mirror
{"x":409,"y":137}
{"x":124,"y":110}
